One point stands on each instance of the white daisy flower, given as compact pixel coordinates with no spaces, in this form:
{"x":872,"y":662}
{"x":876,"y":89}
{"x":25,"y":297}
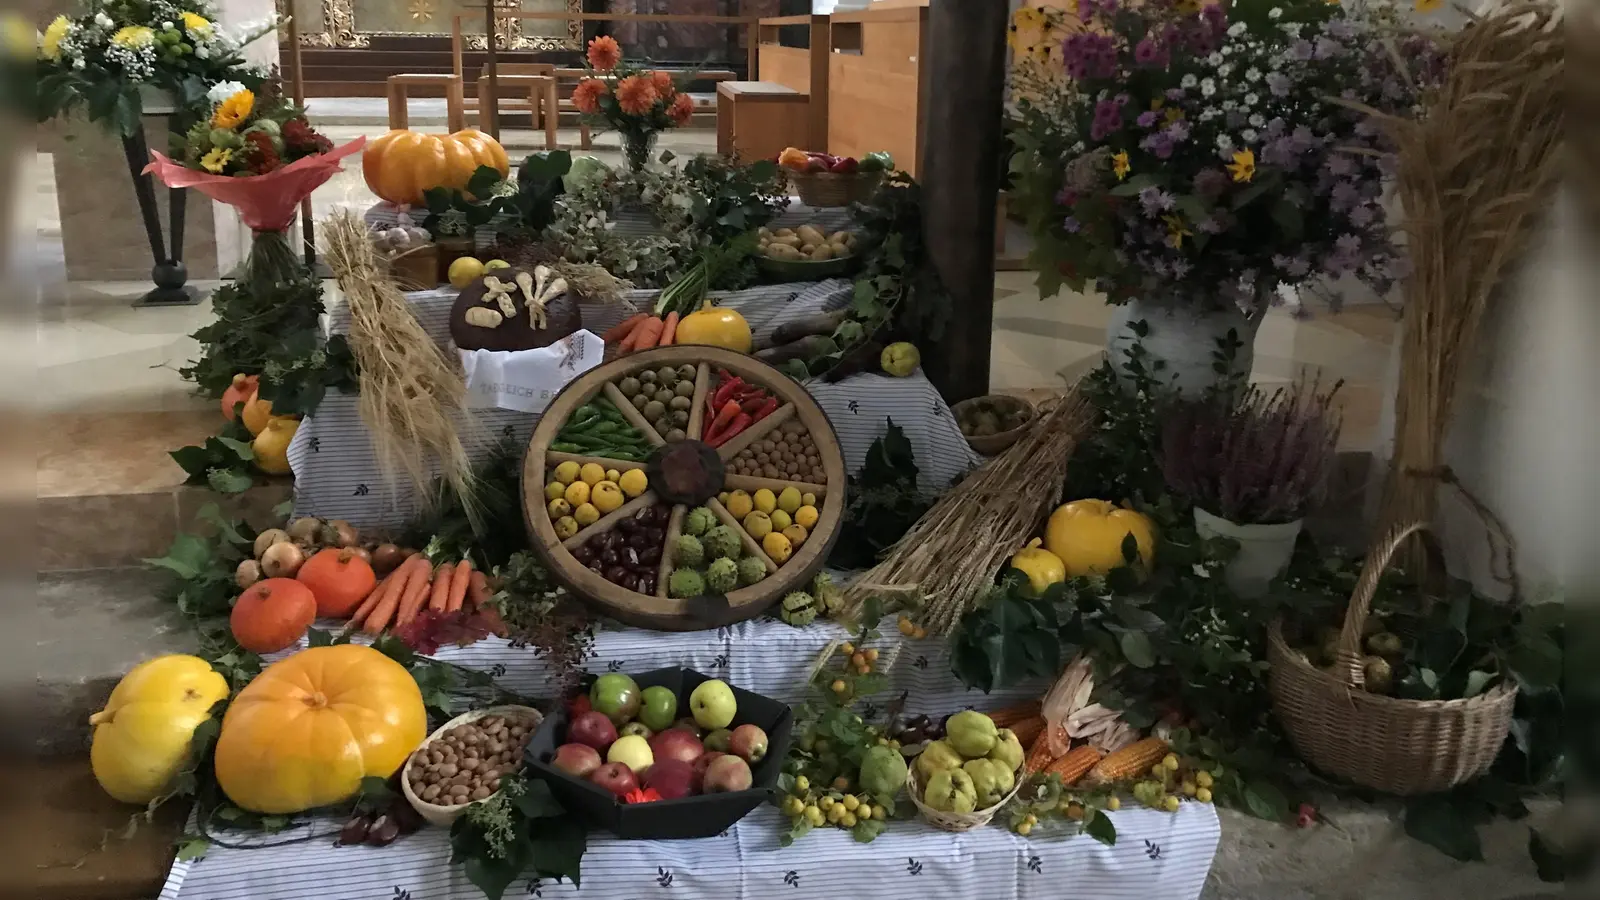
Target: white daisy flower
{"x":1252,"y":74}
{"x":1207,"y":87}
{"x":1236,"y":29}
{"x":1275,"y":13}
{"x":1188,"y":81}
{"x":1251,"y":99}
{"x":1249,"y":135}
{"x":1257,"y":120}
{"x":1214,"y":59}
{"x":1224,"y":143}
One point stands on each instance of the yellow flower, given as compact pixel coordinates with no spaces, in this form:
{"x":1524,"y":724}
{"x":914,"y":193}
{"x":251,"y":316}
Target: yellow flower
{"x":216,"y":160}
{"x":1187,"y":7}
{"x":132,"y":36}
{"x":195,"y":23}
{"x":1176,"y":231}
{"x":1119,"y":164}
{"x":1243,"y":167}
{"x":50,"y":43}
{"x":1427,"y":6}
{"x":1174,"y":114}
{"x":233,"y":110}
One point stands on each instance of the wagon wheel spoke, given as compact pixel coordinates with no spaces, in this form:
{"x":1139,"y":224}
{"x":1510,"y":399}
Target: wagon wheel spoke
{"x":556,"y":457}
{"x":752,"y":483}
{"x":674,"y":529}
{"x":697,"y":412}
{"x":634,"y":417}
{"x":609,"y":521}
{"x":757,"y":431}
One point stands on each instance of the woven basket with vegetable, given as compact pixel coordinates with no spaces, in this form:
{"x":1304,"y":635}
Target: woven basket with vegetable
{"x":1394,"y":745}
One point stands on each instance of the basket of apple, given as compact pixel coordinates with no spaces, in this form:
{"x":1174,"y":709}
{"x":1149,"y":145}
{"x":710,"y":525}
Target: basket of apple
{"x":666,"y":754}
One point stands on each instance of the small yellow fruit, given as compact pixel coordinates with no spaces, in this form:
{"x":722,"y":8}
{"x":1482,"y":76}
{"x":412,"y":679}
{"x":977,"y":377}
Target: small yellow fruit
{"x":1075,"y":812}
{"x":465,"y":271}
{"x":790,"y":500}
{"x":792,"y":806}
{"x":559,"y":507}
{"x":1189,"y":789}
{"x":848,"y":820}
{"x":758,"y":524}
{"x":765,"y":500}
{"x":796,"y":534}
{"x":586,"y":514}
{"x":1113,"y":804}
{"x":493,"y":264}
{"x":825,"y":804}
{"x":592,"y":473}
{"x":847,"y":648}
{"x":835,"y":813}
{"x":880,"y":813}
{"x":567,"y":472}
{"x":1203,"y":795}
{"x":920,"y":634}
{"x":1203,"y":779}
{"x":841,"y":783}
{"x":1170,"y":803}
{"x":578,"y":493}
{"x":871,"y":654}
{"x":555,"y":490}
{"x":780,"y":520}
{"x":851,"y":803}
{"x":814,"y":816}
{"x":1024,"y":828}
{"x":566,"y":527}
{"x":606,"y":496}
{"x":739,"y":504}
{"x":856,"y":659}
{"x":633,"y":482}
{"x":808,"y":499}
{"x":723,"y":498}
{"x":839,"y":686}
{"x":806,"y":516}
{"x":907,"y":627}
{"x":613,"y":475}
{"x":900,"y":359}
{"x":802,"y":784}
{"x":777,"y":547}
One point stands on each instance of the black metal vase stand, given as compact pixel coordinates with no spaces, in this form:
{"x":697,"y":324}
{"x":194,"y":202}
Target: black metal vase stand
{"x":169,"y":273}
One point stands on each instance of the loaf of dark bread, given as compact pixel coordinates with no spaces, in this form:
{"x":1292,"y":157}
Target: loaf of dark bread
{"x":562,"y":317}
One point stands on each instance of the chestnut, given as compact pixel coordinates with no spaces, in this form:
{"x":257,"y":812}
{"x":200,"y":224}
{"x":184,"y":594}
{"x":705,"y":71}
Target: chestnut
{"x":650,"y":556}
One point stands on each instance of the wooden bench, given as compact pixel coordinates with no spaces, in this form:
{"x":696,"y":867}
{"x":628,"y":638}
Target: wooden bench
{"x":455,"y":108}
{"x":538,"y":81}
{"x":758,"y":119}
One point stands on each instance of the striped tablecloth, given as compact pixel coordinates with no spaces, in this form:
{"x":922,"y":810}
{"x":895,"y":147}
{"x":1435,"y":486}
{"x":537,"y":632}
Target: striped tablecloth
{"x":336,"y":469}
{"x":1156,"y":854}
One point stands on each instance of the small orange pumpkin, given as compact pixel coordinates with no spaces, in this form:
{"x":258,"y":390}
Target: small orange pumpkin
{"x":238,"y":392}
{"x":272,"y":615}
{"x":400,"y":165}
{"x":256,"y":412}
{"x":339,"y":579}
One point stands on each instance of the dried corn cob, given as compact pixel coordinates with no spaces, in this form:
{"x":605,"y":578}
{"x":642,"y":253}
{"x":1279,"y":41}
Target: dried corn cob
{"x":1134,"y":759}
{"x":1040,"y":753}
{"x":1011,"y":715}
{"x":1075,"y":764}
{"x":1028,"y":729}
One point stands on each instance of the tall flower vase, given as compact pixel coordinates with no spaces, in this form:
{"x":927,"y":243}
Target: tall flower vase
{"x":637,"y":147}
{"x":1264,"y":550}
{"x":1184,"y":338}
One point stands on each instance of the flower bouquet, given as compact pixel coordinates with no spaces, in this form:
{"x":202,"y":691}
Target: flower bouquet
{"x":260,"y":156}
{"x":105,"y":55}
{"x":638,"y":103}
{"x":1202,"y":157}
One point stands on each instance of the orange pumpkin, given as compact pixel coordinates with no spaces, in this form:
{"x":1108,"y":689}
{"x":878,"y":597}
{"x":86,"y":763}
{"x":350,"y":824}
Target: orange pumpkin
{"x":308,"y":728}
{"x":339,"y":579}
{"x":256,"y":412}
{"x":402,"y":164}
{"x":238,"y":392}
{"x":272,"y":614}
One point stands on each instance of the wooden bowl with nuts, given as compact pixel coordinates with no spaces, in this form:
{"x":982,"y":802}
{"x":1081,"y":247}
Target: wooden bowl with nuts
{"x":462,"y":762}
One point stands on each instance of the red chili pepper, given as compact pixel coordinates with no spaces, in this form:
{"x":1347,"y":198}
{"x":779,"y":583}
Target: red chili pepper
{"x":725,"y":391}
{"x":725,"y":416}
{"x":739,"y":424}
{"x":767,"y":409}
{"x":753,"y":405}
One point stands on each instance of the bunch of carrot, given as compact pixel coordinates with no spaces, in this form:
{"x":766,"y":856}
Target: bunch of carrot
{"x":416,"y":583}
{"x":642,"y":332}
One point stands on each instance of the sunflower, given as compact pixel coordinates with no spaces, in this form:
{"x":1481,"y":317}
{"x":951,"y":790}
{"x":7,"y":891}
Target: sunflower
{"x":216,"y":160}
{"x":234,"y":110}
{"x":196,"y":24}
{"x":586,"y":96}
{"x":636,"y":95}
{"x":681,"y":109}
{"x":50,"y":43}
{"x":1176,"y":231}
{"x":1119,"y":164}
{"x":132,"y":36}
{"x":604,"y":53}
{"x":1243,"y":167}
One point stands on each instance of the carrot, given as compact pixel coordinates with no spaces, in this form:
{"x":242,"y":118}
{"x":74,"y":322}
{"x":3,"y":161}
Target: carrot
{"x":669,"y":329}
{"x":385,"y":610}
{"x":372,"y":599}
{"x":458,"y":585}
{"x":416,"y":590}
{"x":631,"y":342}
{"x":622,"y":329}
{"x":479,"y":591}
{"x":647,"y":334}
{"x":439,"y":601}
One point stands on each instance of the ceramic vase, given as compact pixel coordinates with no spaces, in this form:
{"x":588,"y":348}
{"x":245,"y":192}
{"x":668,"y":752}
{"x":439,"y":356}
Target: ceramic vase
{"x":1184,"y":337}
{"x":1264,"y":550}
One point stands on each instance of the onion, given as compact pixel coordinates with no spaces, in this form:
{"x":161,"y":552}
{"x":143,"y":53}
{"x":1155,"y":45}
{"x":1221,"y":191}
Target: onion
{"x":248,"y":573}
{"x":360,"y":553}
{"x":340,"y":533}
{"x":282,"y":560}
{"x":305,"y":530}
{"x":386,"y":558}
{"x":269,"y":537}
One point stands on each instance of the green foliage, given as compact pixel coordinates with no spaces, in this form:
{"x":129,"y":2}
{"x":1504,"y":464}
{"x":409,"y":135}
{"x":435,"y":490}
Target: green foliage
{"x":202,"y":587}
{"x":539,"y":185}
{"x":444,"y":528}
{"x":225,"y":462}
{"x":521,"y":828}
{"x":454,"y":212}
{"x":729,"y":200}
{"x":884,"y":502}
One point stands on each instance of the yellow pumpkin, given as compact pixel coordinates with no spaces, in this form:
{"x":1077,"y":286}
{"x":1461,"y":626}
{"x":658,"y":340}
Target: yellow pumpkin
{"x":255,"y":413}
{"x":1042,"y":567}
{"x":1087,"y":535}
{"x":271,"y":446}
{"x":308,"y":728}
{"x":141,"y":739}
{"x":715,"y":326}
{"x":400,"y":165}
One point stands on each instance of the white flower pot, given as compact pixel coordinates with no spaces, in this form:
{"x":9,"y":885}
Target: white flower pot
{"x":1184,"y":336}
{"x":1264,"y":550}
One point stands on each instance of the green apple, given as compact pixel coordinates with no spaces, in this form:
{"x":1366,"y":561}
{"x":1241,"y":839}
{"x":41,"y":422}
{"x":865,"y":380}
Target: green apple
{"x":712,"y":704}
{"x":659,"y":709}
{"x":632,"y":751}
{"x":493,"y":264}
{"x":616,"y":695}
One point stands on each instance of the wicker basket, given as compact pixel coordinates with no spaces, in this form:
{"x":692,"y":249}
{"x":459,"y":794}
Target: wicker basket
{"x":1401,"y":747}
{"x":957,"y":822}
{"x":416,"y":269}
{"x":993,"y":444}
{"x":834,"y":189}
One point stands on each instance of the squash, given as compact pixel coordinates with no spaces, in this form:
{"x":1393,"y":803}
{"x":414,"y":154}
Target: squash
{"x":339,"y":579}
{"x":271,"y":445}
{"x":400,"y":165}
{"x":1087,"y":535}
{"x":141,"y":737}
{"x":715,"y":326}
{"x":272,"y":614}
{"x":308,"y":728}
{"x":1042,"y":567}
{"x":238,"y":392}
{"x":256,"y":412}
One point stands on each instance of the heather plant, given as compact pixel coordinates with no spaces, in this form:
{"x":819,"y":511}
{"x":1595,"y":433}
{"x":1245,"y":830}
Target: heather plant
{"x":1253,"y":458}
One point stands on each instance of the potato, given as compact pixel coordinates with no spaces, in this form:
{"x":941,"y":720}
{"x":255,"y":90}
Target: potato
{"x":808,"y":248}
{"x":822,"y":251}
{"x":850,"y":238}
{"x":764,"y":231}
{"x":789,"y":239}
{"x":810,"y":235}
{"x":784,"y":232}
{"x":839,"y":248}
{"x":838,"y":237}
{"x":783,"y":251}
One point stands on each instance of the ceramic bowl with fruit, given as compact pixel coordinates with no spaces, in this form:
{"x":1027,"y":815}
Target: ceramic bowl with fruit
{"x":462,"y":762}
{"x":993,"y":422}
{"x":666,"y":754}
{"x":807,"y":253}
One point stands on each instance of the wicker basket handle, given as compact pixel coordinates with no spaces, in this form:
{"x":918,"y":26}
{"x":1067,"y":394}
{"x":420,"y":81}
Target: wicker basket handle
{"x":1349,"y":668}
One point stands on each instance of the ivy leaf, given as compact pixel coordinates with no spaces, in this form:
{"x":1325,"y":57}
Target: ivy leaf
{"x":537,"y":802}
{"x":1136,"y":649}
{"x":229,"y":481}
{"x":1099,"y":826}
{"x":1265,"y":801}
{"x":192,"y":848}
{"x":188,"y":556}
{"x":317,"y":637}
{"x":556,"y":850}
{"x":395,"y":649}
{"x":493,"y":875}
{"x":1435,"y":821}
{"x":866,"y":830}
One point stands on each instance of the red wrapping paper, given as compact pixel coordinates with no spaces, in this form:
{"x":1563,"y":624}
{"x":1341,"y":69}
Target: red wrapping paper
{"x":265,"y":202}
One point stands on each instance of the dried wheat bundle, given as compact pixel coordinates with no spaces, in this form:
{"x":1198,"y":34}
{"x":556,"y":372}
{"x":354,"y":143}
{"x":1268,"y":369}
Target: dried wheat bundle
{"x":1583,"y":93}
{"x":1474,"y":172}
{"x":949,"y":559}
{"x":412,"y":394}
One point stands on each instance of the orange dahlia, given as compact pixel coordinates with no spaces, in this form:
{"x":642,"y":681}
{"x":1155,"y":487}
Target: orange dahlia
{"x":586,"y":96}
{"x":604,"y":53}
{"x":663,"y":84}
{"x":636,"y":95}
{"x":681,"y":109}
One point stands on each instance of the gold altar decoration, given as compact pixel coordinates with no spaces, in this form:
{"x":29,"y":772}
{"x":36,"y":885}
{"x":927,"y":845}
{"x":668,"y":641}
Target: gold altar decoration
{"x":352,"y":24}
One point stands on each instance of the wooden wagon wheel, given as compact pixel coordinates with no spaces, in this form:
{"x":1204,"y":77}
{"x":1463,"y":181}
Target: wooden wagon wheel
{"x":683,"y":474}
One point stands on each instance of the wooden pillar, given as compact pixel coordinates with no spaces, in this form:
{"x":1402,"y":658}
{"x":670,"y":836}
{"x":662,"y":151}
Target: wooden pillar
{"x":492,"y":114}
{"x":965,"y":68}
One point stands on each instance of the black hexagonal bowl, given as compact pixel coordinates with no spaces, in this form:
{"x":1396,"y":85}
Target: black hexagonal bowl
{"x":703,"y":815}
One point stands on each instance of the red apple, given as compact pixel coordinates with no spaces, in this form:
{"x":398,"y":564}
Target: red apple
{"x":616,"y":778}
{"x":578,"y":705}
{"x":704,"y":762}
{"x":749,"y":743}
{"x":677,"y":745}
{"x":593,"y":728}
{"x":726,"y":773}
{"x":577,"y":760}
{"x":687,"y":723}
{"x":671,"y":778}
